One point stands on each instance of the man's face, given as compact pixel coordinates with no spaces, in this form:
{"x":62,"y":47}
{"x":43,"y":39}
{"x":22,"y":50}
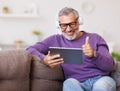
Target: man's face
{"x":69,"y":26}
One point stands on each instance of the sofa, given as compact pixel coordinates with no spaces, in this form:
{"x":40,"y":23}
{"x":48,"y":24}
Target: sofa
{"x":21,"y":71}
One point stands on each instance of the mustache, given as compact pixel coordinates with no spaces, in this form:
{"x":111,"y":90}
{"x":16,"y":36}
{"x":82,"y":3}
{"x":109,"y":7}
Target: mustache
{"x":73,"y":30}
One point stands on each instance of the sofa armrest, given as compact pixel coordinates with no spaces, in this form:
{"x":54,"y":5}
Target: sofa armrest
{"x":116,"y":74}
{"x":14,"y":70}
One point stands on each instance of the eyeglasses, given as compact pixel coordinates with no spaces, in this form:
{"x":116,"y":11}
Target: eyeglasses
{"x":72,"y":25}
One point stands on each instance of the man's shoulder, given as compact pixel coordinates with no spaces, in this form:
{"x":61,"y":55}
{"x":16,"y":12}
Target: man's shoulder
{"x":94,"y":34}
{"x":55,"y":36}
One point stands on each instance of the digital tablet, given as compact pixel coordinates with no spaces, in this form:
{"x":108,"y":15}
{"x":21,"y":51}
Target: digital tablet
{"x":69,"y":55}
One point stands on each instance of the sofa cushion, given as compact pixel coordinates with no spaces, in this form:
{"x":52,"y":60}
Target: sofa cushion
{"x":46,"y":85}
{"x":44,"y":78}
{"x":14,"y":70}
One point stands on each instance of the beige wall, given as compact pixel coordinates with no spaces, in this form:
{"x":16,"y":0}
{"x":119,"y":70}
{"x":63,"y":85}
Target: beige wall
{"x":100,"y":16}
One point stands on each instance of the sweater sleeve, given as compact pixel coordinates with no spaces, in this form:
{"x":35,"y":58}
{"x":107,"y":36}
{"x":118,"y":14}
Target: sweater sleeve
{"x":41,"y":49}
{"x":35,"y":52}
{"x":104,"y":62}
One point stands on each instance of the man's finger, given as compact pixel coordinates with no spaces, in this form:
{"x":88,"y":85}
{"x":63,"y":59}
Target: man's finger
{"x":48,"y":53}
{"x":87,"y":40}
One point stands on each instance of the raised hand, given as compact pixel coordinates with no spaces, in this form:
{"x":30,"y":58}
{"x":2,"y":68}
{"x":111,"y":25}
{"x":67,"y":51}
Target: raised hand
{"x":87,"y":49}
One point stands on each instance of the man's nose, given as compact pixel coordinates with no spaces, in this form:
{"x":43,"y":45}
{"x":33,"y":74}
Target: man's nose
{"x":68,"y":28}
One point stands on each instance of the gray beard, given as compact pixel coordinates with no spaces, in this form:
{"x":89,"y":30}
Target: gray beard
{"x":73,"y":37}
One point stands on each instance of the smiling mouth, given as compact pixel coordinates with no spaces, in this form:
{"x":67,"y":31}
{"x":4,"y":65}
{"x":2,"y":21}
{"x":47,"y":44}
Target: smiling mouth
{"x":70,"y":33}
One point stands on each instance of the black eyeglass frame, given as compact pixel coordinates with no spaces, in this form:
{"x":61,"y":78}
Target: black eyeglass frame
{"x":71,"y":24}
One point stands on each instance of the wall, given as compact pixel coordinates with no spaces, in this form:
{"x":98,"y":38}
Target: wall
{"x":100,"y":16}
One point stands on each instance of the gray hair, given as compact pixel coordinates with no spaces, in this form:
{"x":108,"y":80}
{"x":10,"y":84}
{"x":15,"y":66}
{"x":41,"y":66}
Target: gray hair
{"x":67,"y":11}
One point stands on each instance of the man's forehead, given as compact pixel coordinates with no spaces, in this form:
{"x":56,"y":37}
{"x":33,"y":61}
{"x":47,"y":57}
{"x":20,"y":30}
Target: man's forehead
{"x":67,"y":19}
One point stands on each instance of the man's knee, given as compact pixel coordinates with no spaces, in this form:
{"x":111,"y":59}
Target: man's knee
{"x":105,"y":82}
{"x":71,"y":80}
